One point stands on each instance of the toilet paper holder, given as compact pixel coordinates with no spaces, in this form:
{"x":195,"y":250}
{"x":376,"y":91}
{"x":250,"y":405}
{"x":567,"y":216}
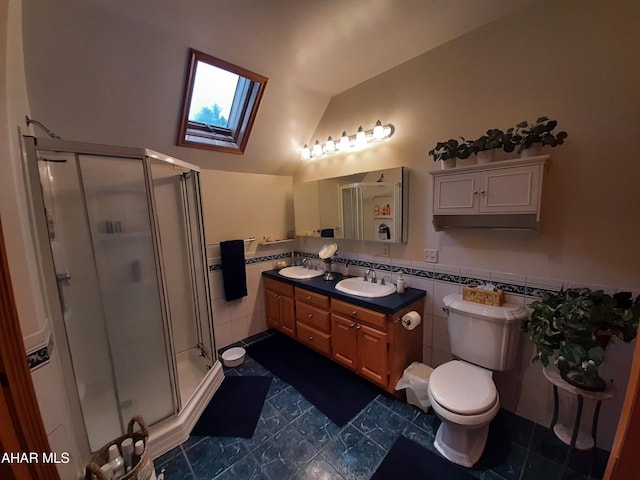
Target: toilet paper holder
{"x":399,"y":319}
{"x":405,"y":321}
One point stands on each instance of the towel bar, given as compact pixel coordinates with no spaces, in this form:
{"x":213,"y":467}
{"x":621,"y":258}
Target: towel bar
{"x":217,"y":244}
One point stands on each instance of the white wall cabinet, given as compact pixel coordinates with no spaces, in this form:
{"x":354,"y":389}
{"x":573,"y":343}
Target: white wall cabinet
{"x":503,"y":194}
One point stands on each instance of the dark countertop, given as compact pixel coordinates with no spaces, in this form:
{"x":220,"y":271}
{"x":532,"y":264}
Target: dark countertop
{"x":389,"y":304}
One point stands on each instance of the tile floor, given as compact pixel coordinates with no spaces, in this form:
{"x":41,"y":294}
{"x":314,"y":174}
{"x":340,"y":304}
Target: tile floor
{"x":293,"y":440}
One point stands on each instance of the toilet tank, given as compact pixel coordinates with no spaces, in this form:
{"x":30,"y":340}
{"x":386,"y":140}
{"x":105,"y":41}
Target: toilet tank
{"x":484,"y":335}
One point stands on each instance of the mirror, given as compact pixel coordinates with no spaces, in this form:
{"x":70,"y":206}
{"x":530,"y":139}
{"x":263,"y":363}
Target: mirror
{"x":363,"y":206}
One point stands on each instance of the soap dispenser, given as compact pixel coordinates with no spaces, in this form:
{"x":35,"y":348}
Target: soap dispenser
{"x":400,"y":284}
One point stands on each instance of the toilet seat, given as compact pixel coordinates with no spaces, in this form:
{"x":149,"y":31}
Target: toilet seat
{"x":463,"y":388}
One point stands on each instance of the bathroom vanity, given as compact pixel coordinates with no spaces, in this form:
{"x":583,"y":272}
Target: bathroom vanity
{"x":364,"y":335}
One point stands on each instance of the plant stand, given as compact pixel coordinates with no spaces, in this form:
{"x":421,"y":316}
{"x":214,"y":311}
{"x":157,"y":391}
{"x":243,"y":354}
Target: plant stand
{"x":575,"y":438}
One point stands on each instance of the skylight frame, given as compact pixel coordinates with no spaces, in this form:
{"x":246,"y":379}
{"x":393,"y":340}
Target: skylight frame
{"x":249,"y":92}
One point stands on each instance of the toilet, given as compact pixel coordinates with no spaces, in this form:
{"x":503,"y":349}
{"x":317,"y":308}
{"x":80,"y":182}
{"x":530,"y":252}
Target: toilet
{"x":483,"y":339}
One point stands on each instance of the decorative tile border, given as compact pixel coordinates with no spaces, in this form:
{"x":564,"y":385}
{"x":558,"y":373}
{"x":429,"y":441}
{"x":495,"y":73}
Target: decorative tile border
{"x":40,"y":357}
{"x":457,"y":279}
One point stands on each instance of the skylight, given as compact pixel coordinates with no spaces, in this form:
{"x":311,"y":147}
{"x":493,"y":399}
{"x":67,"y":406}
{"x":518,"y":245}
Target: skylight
{"x":220,"y":104}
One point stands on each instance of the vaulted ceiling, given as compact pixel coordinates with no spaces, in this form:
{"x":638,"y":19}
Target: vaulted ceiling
{"x":310,"y":50}
{"x":327,"y":46}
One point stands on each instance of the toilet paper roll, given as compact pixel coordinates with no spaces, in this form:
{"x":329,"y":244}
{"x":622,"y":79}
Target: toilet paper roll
{"x":411,"y":320}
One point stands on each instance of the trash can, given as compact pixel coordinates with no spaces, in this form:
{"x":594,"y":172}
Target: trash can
{"x":415,"y":380}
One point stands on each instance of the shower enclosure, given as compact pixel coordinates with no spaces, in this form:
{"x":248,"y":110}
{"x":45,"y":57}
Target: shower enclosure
{"x":121,"y":232}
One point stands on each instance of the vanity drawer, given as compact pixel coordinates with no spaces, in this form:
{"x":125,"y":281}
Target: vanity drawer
{"x":279,"y":287}
{"x":314,"y":338}
{"x":317,"y":299}
{"x":313,"y":316}
{"x":361,"y":314}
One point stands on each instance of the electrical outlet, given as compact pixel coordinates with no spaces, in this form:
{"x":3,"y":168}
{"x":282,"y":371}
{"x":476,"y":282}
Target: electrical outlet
{"x":386,"y":250}
{"x":431,"y":255}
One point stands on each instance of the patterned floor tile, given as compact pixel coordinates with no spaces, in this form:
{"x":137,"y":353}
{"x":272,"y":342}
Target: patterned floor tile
{"x":353,"y":455}
{"x":295,"y":441}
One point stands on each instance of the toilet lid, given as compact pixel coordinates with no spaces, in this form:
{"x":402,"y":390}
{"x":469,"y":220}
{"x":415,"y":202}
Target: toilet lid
{"x":463,"y":388}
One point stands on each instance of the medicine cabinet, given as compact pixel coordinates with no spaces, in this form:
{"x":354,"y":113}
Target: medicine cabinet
{"x":368,"y":206}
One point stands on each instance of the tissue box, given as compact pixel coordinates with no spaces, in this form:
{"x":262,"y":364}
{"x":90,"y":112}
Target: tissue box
{"x":495,"y":299}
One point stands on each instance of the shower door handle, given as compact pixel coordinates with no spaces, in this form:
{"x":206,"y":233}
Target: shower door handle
{"x":63,"y":278}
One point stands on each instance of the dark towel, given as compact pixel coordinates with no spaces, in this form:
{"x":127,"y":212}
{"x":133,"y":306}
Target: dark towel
{"x":234,"y":275}
{"x":326,"y":232}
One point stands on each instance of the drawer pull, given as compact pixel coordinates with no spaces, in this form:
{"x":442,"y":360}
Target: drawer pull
{"x":308,"y":297}
{"x":352,"y":325}
{"x":310,"y":315}
{"x":357,"y":327}
{"x":310,"y":338}
{"x":355,"y":312}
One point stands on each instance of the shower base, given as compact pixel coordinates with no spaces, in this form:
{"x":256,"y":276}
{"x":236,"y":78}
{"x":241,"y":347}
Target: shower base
{"x":173,"y":431}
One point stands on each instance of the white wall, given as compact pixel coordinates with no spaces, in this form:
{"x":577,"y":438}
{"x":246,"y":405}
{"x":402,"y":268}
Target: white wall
{"x":239,"y":206}
{"x":567,"y":60}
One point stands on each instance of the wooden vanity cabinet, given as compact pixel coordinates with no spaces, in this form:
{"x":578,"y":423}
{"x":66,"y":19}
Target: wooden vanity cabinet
{"x":368,"y":342}
{"x":361,"y":348}
{"x":313,"y":320}
{"x":280,"y":306}
{"x":374,"y":344}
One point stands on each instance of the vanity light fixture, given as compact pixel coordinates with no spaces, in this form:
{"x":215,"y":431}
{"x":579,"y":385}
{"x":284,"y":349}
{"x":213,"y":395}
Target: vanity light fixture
{"x":361,"y":139}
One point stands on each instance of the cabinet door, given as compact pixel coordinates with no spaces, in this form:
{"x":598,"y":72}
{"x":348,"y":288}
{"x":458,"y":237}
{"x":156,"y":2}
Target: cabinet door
{"x":373,"y":355}
{"x":344,"y":341}
{"x":455,"y":194}
{"x":272,"y":308}
{"x":287,"y":315}
{"x":512,"y":190}
{"x":280,"y":312}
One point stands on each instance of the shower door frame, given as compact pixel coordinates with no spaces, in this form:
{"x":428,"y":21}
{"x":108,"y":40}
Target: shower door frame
{"x":38,"y":223}
{"x":199,"y":216}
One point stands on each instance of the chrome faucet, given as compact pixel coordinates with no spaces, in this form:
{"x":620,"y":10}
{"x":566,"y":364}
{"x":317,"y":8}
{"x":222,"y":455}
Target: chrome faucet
{"x":306,"y":263}
{"x":373,"y":275}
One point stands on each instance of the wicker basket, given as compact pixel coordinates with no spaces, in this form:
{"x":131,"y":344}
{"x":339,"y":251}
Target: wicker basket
{"x":144,"y":469}
{"x":495,"y":299}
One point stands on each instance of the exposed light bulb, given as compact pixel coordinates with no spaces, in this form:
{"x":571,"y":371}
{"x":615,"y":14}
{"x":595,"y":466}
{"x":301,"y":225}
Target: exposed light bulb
{"x":378,"y":131}
{"x":361,"y":138}
{"x":306,"y":153}
{"x":330,"y":146}
{"x":317,"y":149}
{"x":345,"y":144}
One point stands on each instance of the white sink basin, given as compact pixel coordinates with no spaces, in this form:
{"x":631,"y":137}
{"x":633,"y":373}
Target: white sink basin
{"x":357,"y":286}
{"x":299,"y":272}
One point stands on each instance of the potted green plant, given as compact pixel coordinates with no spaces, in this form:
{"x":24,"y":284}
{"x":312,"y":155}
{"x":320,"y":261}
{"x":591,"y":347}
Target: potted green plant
{"x":573,"y":328}
{"x":526,"y":135}
{"x":484,"y":145}
{"x":450,"y":150}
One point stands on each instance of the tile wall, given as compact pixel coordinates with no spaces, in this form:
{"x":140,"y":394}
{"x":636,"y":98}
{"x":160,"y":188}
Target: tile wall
{"x":524,"y":391}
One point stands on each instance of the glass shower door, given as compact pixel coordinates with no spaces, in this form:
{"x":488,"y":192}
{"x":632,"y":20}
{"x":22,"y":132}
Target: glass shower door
{"x":100,"y":230}
{"x":200,"y":270}
{"x":176,"y":196}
